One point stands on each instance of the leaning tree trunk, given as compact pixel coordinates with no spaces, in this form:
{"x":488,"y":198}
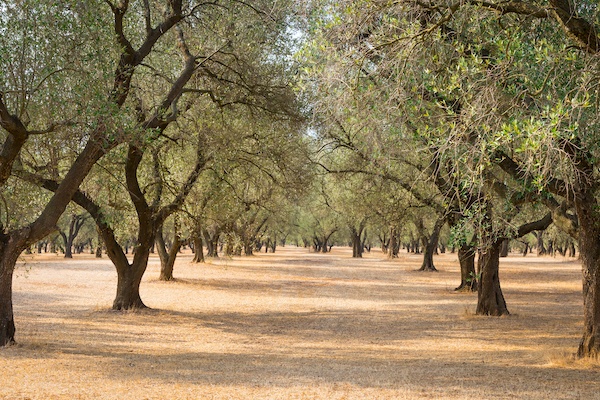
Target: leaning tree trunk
{"x":466,"y":259}
{"x":589,"y":250}
{"x":490,"y":300}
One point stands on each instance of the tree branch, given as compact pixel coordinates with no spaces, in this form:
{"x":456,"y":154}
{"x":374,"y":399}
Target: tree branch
{"x":538,"y":225}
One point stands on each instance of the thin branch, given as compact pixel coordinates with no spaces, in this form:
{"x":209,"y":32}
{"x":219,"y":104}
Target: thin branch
{"x":147,"y":17}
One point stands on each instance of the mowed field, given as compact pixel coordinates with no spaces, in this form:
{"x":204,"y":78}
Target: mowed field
{"x":296,"y":325}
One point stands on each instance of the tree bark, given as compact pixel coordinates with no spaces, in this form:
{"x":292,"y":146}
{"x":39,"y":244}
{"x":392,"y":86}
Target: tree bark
{"x":504,"y":248}
{"x":129,"y":278}
{"x":571,"y":249}
{"x":385,"y":242}
{"x":468,"y":277}
{"x":198,"y":248}
{"x":212,"y":243}
{"x":100,"y":244}
{"x":229,"y":245}
{"x":10,"y":249}
{"x":525,"y":249}
{"x":430,"y":244}
{"x":490,"y":300}
{"x":167,"y":258}
{"x":394,"y":243}
{"x":589,"y":250}
{"x":325,"y":247}
{"x":248,"y":244}
{"x":541,"y":249}
{"x":357,"y":240}
{"x":75,"y":225}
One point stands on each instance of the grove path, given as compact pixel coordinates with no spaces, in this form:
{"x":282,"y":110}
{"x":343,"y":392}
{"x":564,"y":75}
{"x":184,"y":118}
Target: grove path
{"x":296,"y":325}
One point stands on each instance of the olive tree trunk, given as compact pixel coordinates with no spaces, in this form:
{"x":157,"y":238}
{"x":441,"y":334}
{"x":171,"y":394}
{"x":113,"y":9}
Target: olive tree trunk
{"x":589,"y":250}
{"x":468,"y":277}
{"x":430,"y":244}
{"x":10,"y":249}
{"x":167,"y":258}
{"x":198,"y":248}
{"x":490,"y":300}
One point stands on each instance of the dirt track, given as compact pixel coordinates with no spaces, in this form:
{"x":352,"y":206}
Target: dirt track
{"x":296,"y":325}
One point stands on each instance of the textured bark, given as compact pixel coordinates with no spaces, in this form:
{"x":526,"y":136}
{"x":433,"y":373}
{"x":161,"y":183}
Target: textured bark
{"x":468,"y":277}
{"x":490,"y":300}
{"x":128,"y":288}
{"x":427,"y":264}
{"x":589,"y":249}
{"x":10,"y":249}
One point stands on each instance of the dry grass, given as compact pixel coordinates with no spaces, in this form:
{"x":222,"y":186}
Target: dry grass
{"x":296,"y":325}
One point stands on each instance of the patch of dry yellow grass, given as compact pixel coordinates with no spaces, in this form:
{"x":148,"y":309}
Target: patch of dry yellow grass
{"x":296,"y":325}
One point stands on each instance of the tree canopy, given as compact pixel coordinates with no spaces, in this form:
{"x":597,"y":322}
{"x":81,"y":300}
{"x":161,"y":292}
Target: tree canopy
{"x":333,"y":122}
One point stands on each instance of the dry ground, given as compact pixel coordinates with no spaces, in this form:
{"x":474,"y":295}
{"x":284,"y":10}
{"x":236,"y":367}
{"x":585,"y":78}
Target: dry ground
{"x":296,"y":325}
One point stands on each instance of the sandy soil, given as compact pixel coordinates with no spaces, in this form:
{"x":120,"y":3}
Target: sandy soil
{"x":296,"y":325}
